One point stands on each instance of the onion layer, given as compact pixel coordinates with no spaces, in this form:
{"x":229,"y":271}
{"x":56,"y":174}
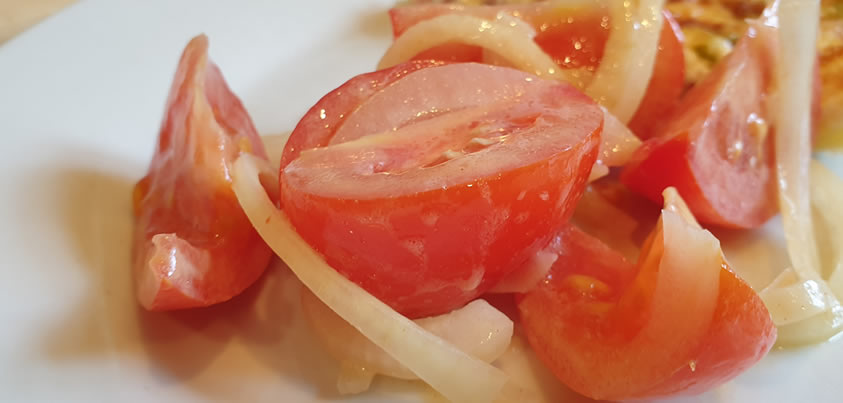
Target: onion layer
{"x":507,"y":39}
{"x":453,"y":373}
{"x":827,"y":203}
{"x":623,"y":75}
{"x":618,"y":143}
{"x":478,"y":329}
{"x":802,"y":304}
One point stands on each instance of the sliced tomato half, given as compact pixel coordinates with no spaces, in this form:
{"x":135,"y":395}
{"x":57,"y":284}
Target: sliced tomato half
{"x":193,"y":245}
{"x":575,"y":37}
{"x":679,"y":322}
{"x":443,"y":182}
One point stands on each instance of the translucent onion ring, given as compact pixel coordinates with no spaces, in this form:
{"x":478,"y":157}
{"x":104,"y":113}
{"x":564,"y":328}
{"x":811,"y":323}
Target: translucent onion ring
{"x":453,"y":373}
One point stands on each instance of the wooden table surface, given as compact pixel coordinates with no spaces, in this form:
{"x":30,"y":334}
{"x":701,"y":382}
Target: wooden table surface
{"x":18,"y":15}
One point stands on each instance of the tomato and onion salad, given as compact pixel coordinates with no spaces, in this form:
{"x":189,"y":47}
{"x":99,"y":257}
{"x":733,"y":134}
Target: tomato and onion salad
{"x":429,"y":211}
{"x":413,"y":190}
{"x":574,"y":37}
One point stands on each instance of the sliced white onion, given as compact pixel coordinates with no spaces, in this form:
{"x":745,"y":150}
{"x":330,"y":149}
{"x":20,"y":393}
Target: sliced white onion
{"x":797,"y":32}
{"x":525,"y":278}
{"x":618,"y":142}
{"x":687,"y":283}
{"x":816,"y":329}
{"x":598,"y":170}
{"x":613,"y":226}
{"x":628,"y":59}
{"x":804,"y":310}
{"x":790,"y":299}
{"x":507,"y":40}
{"x":800,"y":301}
{"x":354,"y":379}
{"x":617,"y":145}
{"x":835,"y":281}
{"x":478,"y":329}
{"x":675,"y":203}
{"x":827,"y":203}
{"x":453,"y":373}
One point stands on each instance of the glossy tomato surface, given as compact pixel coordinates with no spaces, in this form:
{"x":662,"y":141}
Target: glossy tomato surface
{"x":441,"y":183}
{"x":574,"y":36}
{"x":317,"y":127}
{"x":193,"y":245}
{"x":717,"y":148}
{"x":613,"y":330}
{"x":667,"y":82}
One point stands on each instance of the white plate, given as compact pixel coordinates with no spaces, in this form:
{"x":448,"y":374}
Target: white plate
{"x":81,"y":96}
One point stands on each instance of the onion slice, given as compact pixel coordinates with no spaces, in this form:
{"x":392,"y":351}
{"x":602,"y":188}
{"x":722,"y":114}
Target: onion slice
{"x":508,"y":40}
{"x":618,"y":143}
{"x":453,"y":373}
{"x":826,"y":200}
{"x":804,"y":310}
{"x":478,"y":329}
{"x":525,"y":278}
{"x":791,"y":300}
{"x":803,"y":306}
{"x":624,"y":73}
{"x":798,"y":21}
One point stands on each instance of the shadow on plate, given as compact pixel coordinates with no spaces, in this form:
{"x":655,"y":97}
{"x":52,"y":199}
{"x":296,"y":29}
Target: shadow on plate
{"x":375,"y":23}
{"x":211,"y":351}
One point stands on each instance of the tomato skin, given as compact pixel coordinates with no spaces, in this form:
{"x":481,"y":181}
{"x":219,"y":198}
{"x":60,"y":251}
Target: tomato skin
{"x":569,"y":322}
{"x":574,"y":38}
{"x":721,"y":162}
{"x":428,"y":240}
{"x":317,"y":127}
{"x":667,"y":83}
{"x":376,"y":258}
{"x":741,"y":333}
{"x":193,"y":245}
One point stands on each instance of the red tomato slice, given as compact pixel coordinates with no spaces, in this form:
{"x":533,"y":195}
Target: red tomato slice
{"x":611,"y":330}
{"x":666,"y":85}
{"x":193,"y":245}
{"x":716,"y":149}
{"x":574,"y":37}
{"x":317,"y":127}
{"x":462,"y":177}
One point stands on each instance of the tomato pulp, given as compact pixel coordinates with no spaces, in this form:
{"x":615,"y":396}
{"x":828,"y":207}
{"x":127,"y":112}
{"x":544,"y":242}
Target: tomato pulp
{"x":442,"y":182}
{"x":663,"y":327}
{"x":717,"y":148}
{"x":193,"y":245}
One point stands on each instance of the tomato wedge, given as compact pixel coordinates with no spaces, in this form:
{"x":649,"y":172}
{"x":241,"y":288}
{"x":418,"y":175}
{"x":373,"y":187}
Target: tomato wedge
{"x":575,"y":37}
{"x":717,"y":148}
{"x":193,"y":245}
{"x":440,"y":184}
{"x":680,"y":322}
{"x":667,"y":83}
